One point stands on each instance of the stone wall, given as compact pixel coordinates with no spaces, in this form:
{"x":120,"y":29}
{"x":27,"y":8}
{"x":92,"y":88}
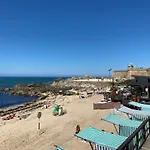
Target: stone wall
{"x":120,"y":74}
{"x":138,"y":72}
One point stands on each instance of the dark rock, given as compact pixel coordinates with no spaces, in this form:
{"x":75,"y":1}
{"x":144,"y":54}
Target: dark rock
{"x":42,"y":97}
{"x":37,"y":89}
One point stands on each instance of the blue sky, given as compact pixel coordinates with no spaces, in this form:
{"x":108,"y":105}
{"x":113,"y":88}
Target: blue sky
{"x":73,"y":37}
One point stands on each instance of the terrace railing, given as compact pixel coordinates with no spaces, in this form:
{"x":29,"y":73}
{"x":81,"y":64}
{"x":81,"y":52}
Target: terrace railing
{"x":136,"y":140}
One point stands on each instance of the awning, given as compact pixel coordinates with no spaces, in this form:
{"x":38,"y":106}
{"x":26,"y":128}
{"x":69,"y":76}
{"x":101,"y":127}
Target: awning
{"x":135,"y":114}
{"x":144,"y":107}
{"x":101,"y":138}
{"x":126,"y":126}
{"x":115,"y":119}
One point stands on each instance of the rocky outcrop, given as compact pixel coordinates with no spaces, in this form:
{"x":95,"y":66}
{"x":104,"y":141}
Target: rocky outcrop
{"x":49,"y":92}
{"x":29,"y":106}
{"x":58,"y":86}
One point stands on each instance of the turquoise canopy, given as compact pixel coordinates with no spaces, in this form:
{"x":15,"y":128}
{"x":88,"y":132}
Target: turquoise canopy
{"x":112,"y":118}
{"x":144,"y":107}
{"x":101,"y":138}
{"x":126,"y":126}
{"x":59,"y":148}
{"x":135,"y":114}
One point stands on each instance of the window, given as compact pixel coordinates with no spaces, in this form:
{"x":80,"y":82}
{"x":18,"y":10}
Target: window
{"x":149,"y":80}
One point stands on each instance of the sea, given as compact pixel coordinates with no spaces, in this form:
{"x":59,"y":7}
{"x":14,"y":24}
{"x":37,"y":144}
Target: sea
{"x":7,"y":100}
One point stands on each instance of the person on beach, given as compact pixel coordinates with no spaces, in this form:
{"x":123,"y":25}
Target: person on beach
{"x":60,"y":110}
{"x":8,"y":117}
{"x":55,"y":110}
{"x":77,"y":129}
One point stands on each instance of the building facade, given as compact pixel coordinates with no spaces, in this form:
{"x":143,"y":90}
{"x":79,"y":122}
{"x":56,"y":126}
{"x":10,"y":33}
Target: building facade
{"x":130,"y":72}
{"x":143,"y":80}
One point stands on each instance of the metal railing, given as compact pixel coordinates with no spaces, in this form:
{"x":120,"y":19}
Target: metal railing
{"x":136,"y":140}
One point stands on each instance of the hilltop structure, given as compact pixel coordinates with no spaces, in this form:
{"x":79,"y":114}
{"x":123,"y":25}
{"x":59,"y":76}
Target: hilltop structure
{"x":130,"y":72}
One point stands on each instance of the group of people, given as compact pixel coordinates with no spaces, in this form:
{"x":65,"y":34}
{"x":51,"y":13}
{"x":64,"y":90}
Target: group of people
{"x":58,"y":110}
{"x":8,"y":117}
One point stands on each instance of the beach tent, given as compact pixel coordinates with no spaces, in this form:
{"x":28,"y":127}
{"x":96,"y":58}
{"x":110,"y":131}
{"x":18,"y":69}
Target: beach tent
{"x":126,"y":126}
{"x":101,"y":140}
{"x":135,"y":114}
{"x":144,"y":107}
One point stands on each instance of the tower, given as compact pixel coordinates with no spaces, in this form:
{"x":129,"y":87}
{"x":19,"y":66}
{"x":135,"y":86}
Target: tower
{"x":130,"y":66}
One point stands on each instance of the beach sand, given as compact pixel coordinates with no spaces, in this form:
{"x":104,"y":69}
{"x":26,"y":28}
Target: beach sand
{"x":59,"y":130}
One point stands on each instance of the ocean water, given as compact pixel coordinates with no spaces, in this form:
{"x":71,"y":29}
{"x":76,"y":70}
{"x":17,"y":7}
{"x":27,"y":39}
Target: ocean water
{"x":11,"y":100}
{"x":8,"y":82}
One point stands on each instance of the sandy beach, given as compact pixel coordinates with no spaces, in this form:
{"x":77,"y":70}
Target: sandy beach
{"x":23,"y":134}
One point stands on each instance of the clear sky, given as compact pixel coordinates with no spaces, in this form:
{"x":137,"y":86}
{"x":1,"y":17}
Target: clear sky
{"x":73,"y":37}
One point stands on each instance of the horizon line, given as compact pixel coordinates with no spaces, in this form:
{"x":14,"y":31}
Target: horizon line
{"x":53,"y":76}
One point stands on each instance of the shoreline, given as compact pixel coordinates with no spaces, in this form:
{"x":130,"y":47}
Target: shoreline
{"x":14,"y":100}
{"x":77,"y":98}
{"x":23,"y":134}
{"x":48,"y":93}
